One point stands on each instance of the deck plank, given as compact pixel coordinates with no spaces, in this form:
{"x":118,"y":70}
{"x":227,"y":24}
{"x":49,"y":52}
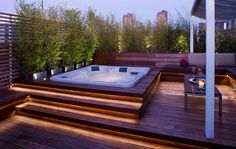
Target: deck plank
{"x":60,"y":136}
{"x":166,"y":118}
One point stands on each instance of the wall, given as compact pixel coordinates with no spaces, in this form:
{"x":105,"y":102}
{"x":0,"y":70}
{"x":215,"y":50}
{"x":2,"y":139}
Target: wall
{"x":221,"y":59}
{"x":8,"y":46}
{"x":158,"y":60}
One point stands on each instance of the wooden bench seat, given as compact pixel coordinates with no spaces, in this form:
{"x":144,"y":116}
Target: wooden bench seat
{"x":179,"y":69}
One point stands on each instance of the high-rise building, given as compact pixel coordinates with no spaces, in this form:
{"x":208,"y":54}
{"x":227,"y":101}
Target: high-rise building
{"x":128,"y":20}
{"x":162,"y":17}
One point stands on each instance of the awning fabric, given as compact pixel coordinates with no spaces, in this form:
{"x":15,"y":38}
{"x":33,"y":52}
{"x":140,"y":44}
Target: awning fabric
{"x":225,"y":9}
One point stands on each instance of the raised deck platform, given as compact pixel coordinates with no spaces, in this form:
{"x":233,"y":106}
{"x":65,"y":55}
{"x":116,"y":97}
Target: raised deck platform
{"x":164,"y":119}
{"x":126,"y":102}
{"x":138,"y":90}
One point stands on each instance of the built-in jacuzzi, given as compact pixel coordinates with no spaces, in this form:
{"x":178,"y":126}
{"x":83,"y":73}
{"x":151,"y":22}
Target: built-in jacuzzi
{"x":117,"y":76}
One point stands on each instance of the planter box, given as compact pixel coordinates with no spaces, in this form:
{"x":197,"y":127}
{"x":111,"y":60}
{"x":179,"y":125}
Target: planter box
{"x":40,"y":76}
{"x":88,"y":63}
{"x":77,"y":66}
{"x":55,"y":71}
{"x":68,"y":68}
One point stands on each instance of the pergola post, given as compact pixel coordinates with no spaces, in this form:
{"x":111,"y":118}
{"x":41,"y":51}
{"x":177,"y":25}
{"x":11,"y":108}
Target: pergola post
{"x":191,"y":35}
{"x":210,"y":68}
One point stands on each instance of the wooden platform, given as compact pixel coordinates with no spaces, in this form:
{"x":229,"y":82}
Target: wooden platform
{"x":125,"y":102}
{"x":164,"y":118}
{"x":19,"y":132}
{"x":138,"y":91}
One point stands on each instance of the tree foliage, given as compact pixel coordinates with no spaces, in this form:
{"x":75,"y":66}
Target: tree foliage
{"x":73,"y":24}
{"x":133,"y":37}
{"x":31,"y":37}
{"x":59,"y":36}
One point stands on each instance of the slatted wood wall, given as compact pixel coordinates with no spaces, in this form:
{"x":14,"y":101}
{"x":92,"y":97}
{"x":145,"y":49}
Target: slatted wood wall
{"x":9,"y":69}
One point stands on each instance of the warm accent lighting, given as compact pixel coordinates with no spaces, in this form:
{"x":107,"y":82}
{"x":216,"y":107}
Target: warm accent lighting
{"x":22,"y":87}
{"x":62,"y":129}
{"x":201,"y":83}
{"x":79,"y":112}
{"x":81,"y":97}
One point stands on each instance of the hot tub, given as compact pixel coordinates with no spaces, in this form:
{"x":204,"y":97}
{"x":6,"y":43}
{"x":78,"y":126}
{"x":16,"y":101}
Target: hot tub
{"x":117,"y":76}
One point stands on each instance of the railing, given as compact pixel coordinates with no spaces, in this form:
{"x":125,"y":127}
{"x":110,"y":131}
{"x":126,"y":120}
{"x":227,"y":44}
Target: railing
{"x":9,"y":69}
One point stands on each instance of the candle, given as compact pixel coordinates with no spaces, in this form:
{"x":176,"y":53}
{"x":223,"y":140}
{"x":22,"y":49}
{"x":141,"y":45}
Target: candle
{"x":201,"y":83}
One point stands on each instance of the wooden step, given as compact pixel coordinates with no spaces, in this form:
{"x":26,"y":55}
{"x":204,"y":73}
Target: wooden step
{"x":78,"y":118}
{"x":95,"y":104}
{"x":92,"y":121}
{"x":67,"y":114}
{"x":88,"y":105}
{"x":42,"y":87}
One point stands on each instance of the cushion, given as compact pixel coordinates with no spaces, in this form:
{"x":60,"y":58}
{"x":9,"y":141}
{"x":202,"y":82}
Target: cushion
{"x":94,"y":68}
{"x":183,"y":63}
{"x":123,"y":69}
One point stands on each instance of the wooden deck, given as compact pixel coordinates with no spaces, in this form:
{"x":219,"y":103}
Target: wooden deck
{"x":19,"y":132}
{"x":165,"y":117}
{"x":139,"y":94}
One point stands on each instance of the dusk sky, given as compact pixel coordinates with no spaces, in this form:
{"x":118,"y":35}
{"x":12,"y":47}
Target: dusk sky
{"x":144,"y":9}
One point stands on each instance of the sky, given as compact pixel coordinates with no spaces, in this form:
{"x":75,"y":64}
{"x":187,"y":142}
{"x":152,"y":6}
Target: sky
{"x":144,"y":9}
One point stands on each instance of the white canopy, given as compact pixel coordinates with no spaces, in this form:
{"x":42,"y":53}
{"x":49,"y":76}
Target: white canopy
{"x":224,"y":9}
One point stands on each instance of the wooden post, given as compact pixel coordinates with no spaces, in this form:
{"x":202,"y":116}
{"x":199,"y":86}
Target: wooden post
{"x":210,"y":68}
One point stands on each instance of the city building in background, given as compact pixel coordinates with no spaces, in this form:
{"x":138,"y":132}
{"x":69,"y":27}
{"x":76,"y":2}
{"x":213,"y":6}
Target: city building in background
{"x":128,"y":20}
{"x":162,"y":17}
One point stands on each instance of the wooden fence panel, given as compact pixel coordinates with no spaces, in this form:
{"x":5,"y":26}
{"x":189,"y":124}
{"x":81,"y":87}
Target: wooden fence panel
{"x":8,"y":42}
